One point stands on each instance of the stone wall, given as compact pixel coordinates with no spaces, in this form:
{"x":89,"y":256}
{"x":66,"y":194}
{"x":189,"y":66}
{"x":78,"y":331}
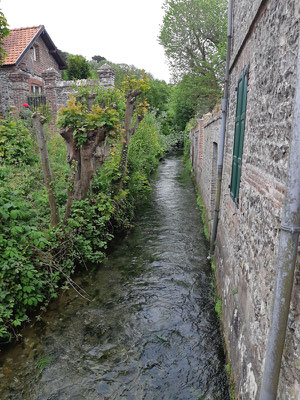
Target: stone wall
{"x":266,"y":35}
{"x":58,"y":91}
{"x":15,"y":86}
{"x":65,"y":88}
{"x":204,"y":144}
{"x":6,"y":91}
{"x":248,"y":233}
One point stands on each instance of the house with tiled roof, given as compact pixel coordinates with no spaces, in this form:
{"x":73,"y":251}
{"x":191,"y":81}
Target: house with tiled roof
{"x":30,"y":56}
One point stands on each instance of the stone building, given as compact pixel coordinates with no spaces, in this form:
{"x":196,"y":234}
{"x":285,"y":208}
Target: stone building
{"x":32,"y":70}
{"x":263,"y":67}
{"x":30,"y":52}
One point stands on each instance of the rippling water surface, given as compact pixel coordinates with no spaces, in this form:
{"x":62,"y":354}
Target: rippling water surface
{"x":150,"y":331}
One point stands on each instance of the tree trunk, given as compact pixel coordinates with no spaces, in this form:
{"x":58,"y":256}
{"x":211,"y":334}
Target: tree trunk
{"x":39,"y":121}
{"x":82,"y":163}
{"x":131,"y":97}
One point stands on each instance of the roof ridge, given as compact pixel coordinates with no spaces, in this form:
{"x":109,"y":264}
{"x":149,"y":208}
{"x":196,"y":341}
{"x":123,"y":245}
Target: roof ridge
{"x":24,"y":28}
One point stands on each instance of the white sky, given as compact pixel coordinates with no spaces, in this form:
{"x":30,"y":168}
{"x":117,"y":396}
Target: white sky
{"x":122,"y":31}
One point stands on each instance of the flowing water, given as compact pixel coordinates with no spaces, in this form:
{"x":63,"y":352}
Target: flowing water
{"x":149,"y":332}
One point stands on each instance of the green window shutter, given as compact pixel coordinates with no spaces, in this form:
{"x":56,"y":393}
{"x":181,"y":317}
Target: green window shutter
{"x":238,"y":144}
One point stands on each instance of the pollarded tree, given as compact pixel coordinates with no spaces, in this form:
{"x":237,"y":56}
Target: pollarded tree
{"x":89,"y":121}
{"x":136,"y":107}
{"x":86,"y":122}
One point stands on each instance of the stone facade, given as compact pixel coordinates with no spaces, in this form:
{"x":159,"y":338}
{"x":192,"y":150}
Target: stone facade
{"x":16,"y":81}
{"x":58,"y":91}
{"x":265,"y":36}
{"x":33,"y":66}
{"x":204,"y":156}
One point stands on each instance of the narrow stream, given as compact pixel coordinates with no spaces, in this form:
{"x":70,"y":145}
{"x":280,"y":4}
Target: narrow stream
{"x":150,"y":331}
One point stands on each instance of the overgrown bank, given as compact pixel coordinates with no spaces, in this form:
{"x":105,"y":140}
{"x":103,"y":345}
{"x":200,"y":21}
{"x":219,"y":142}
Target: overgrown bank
{"x":37,"y":260}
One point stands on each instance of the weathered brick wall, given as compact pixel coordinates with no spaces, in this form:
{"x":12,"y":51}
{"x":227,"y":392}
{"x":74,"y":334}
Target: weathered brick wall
{"x":205,"y":149}
{"x":44,"y":60}
{"x":248,"y":234}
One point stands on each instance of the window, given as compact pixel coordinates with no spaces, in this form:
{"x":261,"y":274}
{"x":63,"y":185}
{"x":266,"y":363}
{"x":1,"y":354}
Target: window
{"x":36,"y":90}
{"x":35,"y":51}
{"x":240,"y":119}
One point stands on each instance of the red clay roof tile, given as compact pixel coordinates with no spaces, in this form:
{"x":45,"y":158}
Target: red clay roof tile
{"x":17,"y":41}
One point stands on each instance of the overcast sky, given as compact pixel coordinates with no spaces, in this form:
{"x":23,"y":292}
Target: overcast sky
{"x":122,"y":31}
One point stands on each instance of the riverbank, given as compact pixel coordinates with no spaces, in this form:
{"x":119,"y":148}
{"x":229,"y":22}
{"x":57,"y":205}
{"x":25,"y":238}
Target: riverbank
{"x":36,"y":261}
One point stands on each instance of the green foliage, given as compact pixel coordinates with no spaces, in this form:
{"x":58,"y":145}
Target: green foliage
{"x":78,"y":68}
{"x":203,"y":215}
{"x":106,"y":112}
{"x":193,"y":34}
{"x":231,"y":381}
{"x":133,"y":82}
{"x":15,"y":142}
{"x":158,"y":96}
{"x":145,"y":150}
{"x":213,"y":265}
{"x":98,"y":58}
{"x":23,"y":281}
{"x":35,"y":261}
{"x":174,"y":140}
{"x":87,"y":229}
{"x":44,"y":110}
{"x":191,"y":96}
{"x":4,"y":31}
{"x":228,"y":369}
{"x":218,"y":308}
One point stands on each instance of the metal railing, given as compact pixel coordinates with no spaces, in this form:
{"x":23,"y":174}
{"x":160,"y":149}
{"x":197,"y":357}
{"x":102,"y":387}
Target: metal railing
{"x":36,"y":101}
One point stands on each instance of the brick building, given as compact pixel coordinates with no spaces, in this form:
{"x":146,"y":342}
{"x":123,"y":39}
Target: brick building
{"x":30,"y":54}
{"x":262,"y":80}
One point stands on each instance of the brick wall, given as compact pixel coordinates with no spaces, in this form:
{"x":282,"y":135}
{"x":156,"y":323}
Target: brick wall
{"x":44,"y":60}
{"x":205,"y":146}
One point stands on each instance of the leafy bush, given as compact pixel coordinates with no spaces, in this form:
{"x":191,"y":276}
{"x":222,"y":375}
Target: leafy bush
{"x":36,"y":261}
{"x":22,"y":280}
{"x":78,"y":67}
{"x":144,"y":153}
{"x":15,"y":142}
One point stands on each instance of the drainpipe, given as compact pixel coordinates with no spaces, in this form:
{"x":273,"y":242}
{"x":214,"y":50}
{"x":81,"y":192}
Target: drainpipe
{"x":222,"y":133}
{"x":287,"y":254}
